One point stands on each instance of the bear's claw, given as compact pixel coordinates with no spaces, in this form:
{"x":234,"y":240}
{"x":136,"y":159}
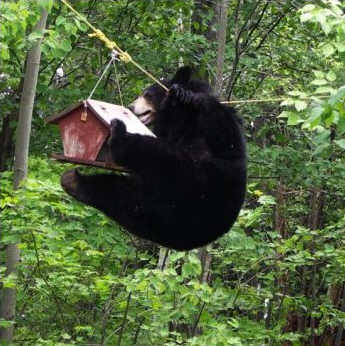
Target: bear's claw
{"x":180,"y":93}
{"x":117,"y":129}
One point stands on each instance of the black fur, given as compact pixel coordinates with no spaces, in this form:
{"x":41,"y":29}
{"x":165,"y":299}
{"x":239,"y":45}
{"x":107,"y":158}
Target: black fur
{"x":188,"y":185}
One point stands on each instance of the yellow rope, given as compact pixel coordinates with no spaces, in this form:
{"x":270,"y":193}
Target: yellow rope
{"x":124,"y":56}
{"x":268,"y":100}
{"x":254,"y":101}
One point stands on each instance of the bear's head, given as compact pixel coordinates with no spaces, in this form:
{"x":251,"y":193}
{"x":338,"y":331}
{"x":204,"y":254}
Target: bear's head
{"x":147,"y":104}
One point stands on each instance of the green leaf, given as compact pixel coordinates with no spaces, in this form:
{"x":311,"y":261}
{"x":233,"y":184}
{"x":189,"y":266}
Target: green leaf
{"x":327,"y":50}
{"x":294,"y":119}
{"x":81,"y":26}
{"x":60,"y":20}
{"x":324,"y":90}
{"x":6,"y":324}
{"x":284,"y":114}
{"x":196,"y":25}
{"x":266,"y":200}
{"x":306,"y":16}
{"x":331,"y":76}
{"x":66,"y":336}
{"x":333,"y":118}
{"x":45,"y":4}
{"x":340,"y":46}
{"x":34,"y":36}
{"x":341,"y":125}
{"x":319,"y":74}
{"x":65,"y":45}
{"x":307,"y":8}
{"x":4,"y":51}
{"x":287,"y":102}
{"x":340,"y":143}
{"x":315,"y":117}
{"x":326,"y":27}
{"x":297,"y":93}
{"x":319,"y":82}
{"x":300,"y":105}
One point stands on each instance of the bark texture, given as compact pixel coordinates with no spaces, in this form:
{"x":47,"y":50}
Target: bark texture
{"x":8,"y":296}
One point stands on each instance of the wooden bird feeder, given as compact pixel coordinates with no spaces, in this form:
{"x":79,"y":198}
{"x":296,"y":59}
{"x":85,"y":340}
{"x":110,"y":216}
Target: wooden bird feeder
{"x":85,"y":128}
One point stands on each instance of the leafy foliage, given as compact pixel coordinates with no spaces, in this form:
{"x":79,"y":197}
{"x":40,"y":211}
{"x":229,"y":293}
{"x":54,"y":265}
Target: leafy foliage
{"x":278,"y":277}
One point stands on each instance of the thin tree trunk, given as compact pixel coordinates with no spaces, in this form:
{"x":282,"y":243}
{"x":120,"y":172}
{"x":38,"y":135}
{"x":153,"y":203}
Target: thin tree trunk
{"x":26,"y":107}
{"x":205,"y":259}
{"x":340,"y":330}
{"x":204,"y":9}
{"x":8,"y":298}
{"x":6,"y":143}
{"x":221,"y":40}
{"x":315,"y":222}
{"x":163,"y":258}
{"x":220,"y":22}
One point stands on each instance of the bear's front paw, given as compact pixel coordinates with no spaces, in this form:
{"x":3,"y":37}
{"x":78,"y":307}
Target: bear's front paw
{"x":117,"y":130}
{"x":181,"y":94}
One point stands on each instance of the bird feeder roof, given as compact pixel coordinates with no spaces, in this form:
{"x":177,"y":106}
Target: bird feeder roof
{"x":106,"y":112}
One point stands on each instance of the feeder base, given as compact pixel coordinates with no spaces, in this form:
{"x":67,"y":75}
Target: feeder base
{"x":99,"y":164}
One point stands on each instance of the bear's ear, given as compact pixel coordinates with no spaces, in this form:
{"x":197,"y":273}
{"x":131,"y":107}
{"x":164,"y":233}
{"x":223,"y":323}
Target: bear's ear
{"x":182,"y":75}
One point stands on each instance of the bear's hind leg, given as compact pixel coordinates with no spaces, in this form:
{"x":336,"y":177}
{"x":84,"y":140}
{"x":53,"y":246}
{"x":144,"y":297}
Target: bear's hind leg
{"x":115,"y":195}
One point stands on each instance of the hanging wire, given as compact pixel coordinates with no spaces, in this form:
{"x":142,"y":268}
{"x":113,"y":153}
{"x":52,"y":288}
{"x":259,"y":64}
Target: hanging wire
{"x":124,"y":56}
{"x":113,"y":57}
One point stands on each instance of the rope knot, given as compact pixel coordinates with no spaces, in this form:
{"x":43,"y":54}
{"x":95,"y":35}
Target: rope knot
{"x":125,"y":57}
{"x":101,"y":36}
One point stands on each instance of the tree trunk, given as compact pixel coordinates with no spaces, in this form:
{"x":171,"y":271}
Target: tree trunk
{"x":8,"y":298}
{"x":221,"y":41}
{"x":203,"y":9}
{"x":340,"y":330}
{"x":205,"y":259}
{"x":6,"y":142}
{"x":163,"y":258}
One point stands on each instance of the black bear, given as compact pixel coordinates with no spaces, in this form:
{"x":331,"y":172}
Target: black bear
{"x":187,"y":186}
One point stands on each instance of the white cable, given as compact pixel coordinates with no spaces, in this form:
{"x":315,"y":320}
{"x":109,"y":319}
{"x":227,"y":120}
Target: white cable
{"x":113,"y":58}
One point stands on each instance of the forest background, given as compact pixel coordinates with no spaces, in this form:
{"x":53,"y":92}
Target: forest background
{"x":278,"y":277}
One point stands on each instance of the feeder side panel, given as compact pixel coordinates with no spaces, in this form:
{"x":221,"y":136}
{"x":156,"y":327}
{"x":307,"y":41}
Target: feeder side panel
{"x":82,"y":139}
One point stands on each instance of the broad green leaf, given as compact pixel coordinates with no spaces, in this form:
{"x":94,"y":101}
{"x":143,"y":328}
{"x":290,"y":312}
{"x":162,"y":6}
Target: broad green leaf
{"x":324,"y":90}
{"x":294,"y":119}
{"x":4,"y":51}
{"x":327,"y":49}
{"x":45,"y":4}
{"x":266,"y":200}
{"x":326,"y":27}
{"x":297,"y":93}
{"x":300,"y":105}
{"x":287,"y":102}
{"x":60,"y":20}
{"x":331,"y":76}
{"x":306,"y":16}
{"x":319,"y":74}
{"x":34,"y":36}
{"x":319,"y":82}
{"x":284,"y":114}
{"x":315,"y":117}
{"x":333,"y":118}
{"x":308,"y":8}
{"x":340,"y":46}
{"x":340,"y":143}
{"x":65,"y":45}
{"x":81,"y":26}
{"x":66,"y":336}
{"x":6,"y":324}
